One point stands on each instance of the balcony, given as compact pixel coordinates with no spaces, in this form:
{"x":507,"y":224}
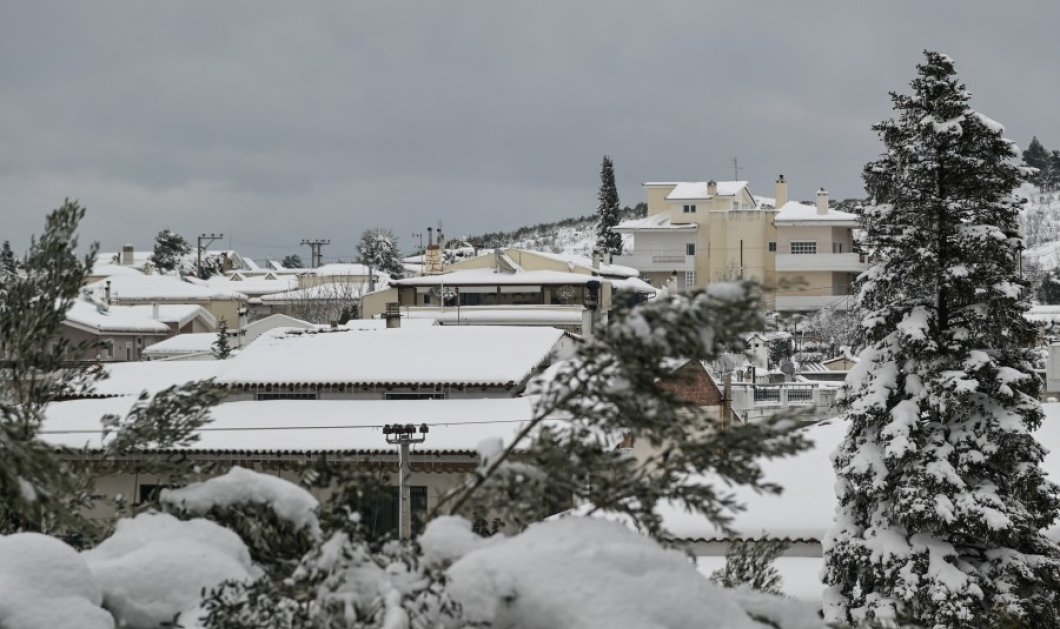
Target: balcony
{"x":852,"y":262}
{"x":658,"y":261}
{"x":806,"y":303}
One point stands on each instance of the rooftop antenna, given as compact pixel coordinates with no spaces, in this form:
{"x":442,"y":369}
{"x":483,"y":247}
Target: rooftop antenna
{"x":736,"y":168}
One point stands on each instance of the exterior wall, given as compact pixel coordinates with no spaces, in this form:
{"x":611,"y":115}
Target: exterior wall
{"x":823,"y":235}
{"x":124,"y":345}
{"x":439,"y":473}
{"x":691,"y":383}
{"x":374,"y":304}
{"x":656,"y":198}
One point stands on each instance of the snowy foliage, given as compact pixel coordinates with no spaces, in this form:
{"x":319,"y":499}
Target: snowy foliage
{"x":611,"y":393}
{"x":750,"y":564}
{"x":608,"y":211}
{"x":942,"y":501}
{"x":170,"y":251}
{"x":378,"y":250}
{"x":221,"y":348}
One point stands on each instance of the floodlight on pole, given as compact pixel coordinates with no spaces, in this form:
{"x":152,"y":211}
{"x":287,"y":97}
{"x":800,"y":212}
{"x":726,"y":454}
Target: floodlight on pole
{"x":403,"y":436}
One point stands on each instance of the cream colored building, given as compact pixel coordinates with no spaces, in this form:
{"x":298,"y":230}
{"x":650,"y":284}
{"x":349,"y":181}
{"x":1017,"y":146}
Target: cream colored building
{"x":696,"y":233}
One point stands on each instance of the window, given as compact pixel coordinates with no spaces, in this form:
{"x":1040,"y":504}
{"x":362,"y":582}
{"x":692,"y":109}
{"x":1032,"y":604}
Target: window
{"x":263,"y":397}
{"x":804,"y":247}
{"x":379,"y":510}
{"x":773,"y":247}
{"x":147,"y":492}
{"x":689,"y":209}
{"x":690,"y":249}
{"x":690,"y":280}
{"x":837,"y":247}
{"x":413,"y":396}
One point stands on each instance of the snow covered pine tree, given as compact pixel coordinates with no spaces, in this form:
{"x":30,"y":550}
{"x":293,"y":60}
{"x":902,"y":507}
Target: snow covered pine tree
{"x":942,"y":501}
{"x":607,"y":239}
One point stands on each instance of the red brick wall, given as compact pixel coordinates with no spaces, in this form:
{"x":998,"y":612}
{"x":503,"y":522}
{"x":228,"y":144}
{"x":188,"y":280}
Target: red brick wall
{"x":692,"y":384}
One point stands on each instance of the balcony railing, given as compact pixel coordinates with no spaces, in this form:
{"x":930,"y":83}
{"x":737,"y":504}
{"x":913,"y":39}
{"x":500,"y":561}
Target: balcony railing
{"x":664,"y":260}
{"x":853,"y":262}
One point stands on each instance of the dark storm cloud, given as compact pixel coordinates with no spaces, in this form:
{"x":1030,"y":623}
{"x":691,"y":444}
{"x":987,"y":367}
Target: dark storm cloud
{"x":276,"y":121}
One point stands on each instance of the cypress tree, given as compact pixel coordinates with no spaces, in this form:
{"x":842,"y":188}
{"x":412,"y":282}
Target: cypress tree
{"x":8,"y":262}
{"x":942,"y":499}
{"x":608,"y":211}
{"x":221,"y":348}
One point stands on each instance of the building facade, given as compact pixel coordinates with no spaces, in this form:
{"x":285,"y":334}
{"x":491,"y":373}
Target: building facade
{"x":696,"y":233}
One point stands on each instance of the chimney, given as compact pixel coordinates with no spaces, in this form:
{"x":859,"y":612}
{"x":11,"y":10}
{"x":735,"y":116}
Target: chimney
{"x":712,"y":188}
{"x":154,"y":311}
{"x":106,"y":292}
{"x":393,"y":315}
{"x":822,"y":201}
{"x":127,"y":255}
{"x":497,"y":260}
{"x":781,"y":192}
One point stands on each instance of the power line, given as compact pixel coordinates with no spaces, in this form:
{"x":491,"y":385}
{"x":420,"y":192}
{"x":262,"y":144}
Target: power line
{"x":339,"y":427}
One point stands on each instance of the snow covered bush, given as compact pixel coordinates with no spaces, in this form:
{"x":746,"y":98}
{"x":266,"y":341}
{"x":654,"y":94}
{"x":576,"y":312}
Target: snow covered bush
{"x":942,"y":499}
{"x":154,"y":566}
{"x":45,"y":584}
{"x":750,"y":564}
{"x":277,"y":519}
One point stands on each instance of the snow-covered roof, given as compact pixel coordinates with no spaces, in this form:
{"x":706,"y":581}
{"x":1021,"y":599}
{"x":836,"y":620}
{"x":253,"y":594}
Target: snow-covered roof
{"x":91,"y":317}
{"x":161,"y":288}
{"x":343,"y":269}
{"x":194,"y":343}
{"x":460,"y":356}
{"x":179,"y":314}
{"x":805,"y":509}
{"x":695,"y":190}
{"x":1043,"y":314}
{"x":634,"y":284}
{"x":761,"y":201}
{"x":105,"y":268}
{"x":606,"y":268}
{"x":456,"y":425}
{"x":489,"y":277}
{"x":655,"y":221}
{"x":324,"y":292}
{"x":152,"y":376}
{"x":380,"y":324}
{"x":795,"y":212}
{"x":554,"y":315}
{"x":140,"y":258}
{"x":254,"y":286}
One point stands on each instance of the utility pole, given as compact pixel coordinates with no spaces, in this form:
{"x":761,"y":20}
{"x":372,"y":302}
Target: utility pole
{"x":403,"y":435}
{"x":736,"y":168}
{"x":314,"y":251}
{"x":210,"y":239}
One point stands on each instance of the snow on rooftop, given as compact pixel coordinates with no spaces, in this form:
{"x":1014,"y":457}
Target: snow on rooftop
{"x":312,"y":425}
{"x":489,"y":277}
{"x":195,"y":343}
{"x":806,"y":507}
{"x":803,"y":212}
{"x":693,"y":190}
{"x":343,"y":269}
{"x":380,"y":324}
{"x":178,"y":314}
{"x":324,"y":292}
{"x":161,"y":288}
{"x":113,"y":319}
{"x":133,"y":377}
{"x":655,"y":221}
{"x":552,"y":315}
{"x":498,"y":356}
{"x":634,"y":284}
{"x":255,"y":286}
{"x":573,"y":259}
{"x":107,"y":269}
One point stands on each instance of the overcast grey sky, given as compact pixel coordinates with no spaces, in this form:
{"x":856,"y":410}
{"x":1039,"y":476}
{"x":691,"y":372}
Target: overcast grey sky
{"x":277,"y":121}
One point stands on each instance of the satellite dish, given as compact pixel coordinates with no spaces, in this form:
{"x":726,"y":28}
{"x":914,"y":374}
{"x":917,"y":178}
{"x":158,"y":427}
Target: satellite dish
{"x":787,"y":367}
